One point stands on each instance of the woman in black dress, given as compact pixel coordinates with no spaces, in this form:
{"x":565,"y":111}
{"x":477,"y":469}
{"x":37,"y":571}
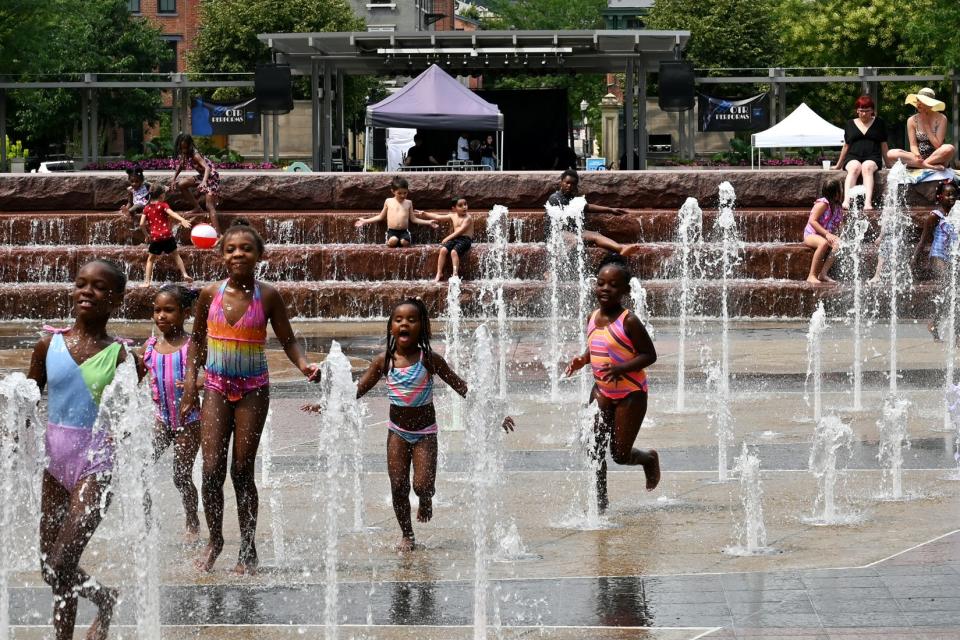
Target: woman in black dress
{"x":864,"y":148}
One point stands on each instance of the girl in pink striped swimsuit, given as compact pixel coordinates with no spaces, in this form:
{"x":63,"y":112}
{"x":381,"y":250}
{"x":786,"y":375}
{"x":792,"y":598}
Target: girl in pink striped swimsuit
{"x":409,"y":364}
{"x":618,"y":350}
{"x":166,"y":360}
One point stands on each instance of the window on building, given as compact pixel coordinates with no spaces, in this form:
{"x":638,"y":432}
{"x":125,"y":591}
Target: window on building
{"x":166,"y":6}
{"x":381,"y":27}
{"x":381,"y":3}
{"x":170,"y":66}
{"x":133,"y":6}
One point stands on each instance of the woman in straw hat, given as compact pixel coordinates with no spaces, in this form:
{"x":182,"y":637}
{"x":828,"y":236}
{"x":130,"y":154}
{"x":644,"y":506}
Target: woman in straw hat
{"x":926,"y":131}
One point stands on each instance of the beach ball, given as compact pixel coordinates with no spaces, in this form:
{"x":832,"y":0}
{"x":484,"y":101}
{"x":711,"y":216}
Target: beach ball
{"x":203,"y":236}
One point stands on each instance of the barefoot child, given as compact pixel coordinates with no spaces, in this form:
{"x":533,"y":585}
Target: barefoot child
{"x":229,"y":336}
{"x":824,"y":222}
{"x":399,"y":213}
{"x":209,"y":180}
{"x":138,"y":195}
{"x":457,"y":244}
{"x":155,"y":222}
{"x":166,"y":358}
{"x":409,"y":364}
{"x":940,"y":236}
{"x":568,"y":190}
{"x":77,"y":364}
{"x":618,"y":350}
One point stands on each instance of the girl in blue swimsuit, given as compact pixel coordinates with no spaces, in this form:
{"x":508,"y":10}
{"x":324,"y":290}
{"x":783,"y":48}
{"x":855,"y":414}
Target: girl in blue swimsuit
{"x":409,"y":364}
{"x":77,"y":364}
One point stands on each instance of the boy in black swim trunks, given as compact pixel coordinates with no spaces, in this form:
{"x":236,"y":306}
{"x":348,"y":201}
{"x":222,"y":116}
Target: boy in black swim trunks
{"x":399,"y":213}
{"x":460,"y":239}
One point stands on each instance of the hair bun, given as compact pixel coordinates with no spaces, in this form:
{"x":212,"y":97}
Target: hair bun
{"x":240,"y":222}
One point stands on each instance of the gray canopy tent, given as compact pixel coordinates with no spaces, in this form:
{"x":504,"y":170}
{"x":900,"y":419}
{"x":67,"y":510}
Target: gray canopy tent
{"x":434,"y":100}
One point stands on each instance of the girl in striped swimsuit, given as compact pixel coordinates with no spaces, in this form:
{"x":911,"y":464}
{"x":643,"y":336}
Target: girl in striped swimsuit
{"x":618,"y":350}
{"x":409,"y":364}
{"x":166,"y":360}
{"x":229,"y":336}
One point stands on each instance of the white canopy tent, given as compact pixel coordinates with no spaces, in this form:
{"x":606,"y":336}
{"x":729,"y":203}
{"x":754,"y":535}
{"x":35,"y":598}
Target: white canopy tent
{"x":802,"y":128}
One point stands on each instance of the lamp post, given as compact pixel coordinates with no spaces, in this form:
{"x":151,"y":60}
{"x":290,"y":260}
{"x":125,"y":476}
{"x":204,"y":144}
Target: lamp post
{"x":587,"y":147}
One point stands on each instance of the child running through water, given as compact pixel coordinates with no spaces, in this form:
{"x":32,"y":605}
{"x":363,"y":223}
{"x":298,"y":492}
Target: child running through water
{"x":618,"y":350}
{"x":458,"y":242}
{"x":399,"y":213}
{"x":408,"y":365}
{"x":207,"y":180}
{"x":824,"y":222}
{"x":155,"y":222}
{"x":229,"y":336}
{"x":77,"y":364}
{"x":138,"y":195}
{"x":165,"y":358}
{"x":940,"y":236}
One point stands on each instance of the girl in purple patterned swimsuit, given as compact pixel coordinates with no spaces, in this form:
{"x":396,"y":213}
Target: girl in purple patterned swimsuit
{"x":824,"y":222}
{"x":207,"y":180}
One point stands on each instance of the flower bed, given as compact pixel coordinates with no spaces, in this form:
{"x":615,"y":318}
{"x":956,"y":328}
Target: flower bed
{"x":169,"y":164}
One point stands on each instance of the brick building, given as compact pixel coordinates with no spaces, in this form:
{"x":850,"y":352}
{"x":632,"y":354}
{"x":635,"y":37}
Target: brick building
{"x":178,"y":19}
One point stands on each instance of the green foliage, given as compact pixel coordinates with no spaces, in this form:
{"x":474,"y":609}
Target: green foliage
{"x":723,"y":33}
{"x":544,"y":14}
{"x":16,"y":149}
{"x":23,"y":28}
{"x":88,"y":36}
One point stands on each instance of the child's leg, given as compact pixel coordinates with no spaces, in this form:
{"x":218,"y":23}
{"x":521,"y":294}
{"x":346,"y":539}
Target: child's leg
{"x":216,"y":415}
{"x":185,"y":447}
{"x":441,"y":263}
{"x":249,"y":417}
{"x":180,"y":265}
{"x":399,"y":457}
{"x":940,"y":300}
{"x":65,"y":529}
{"x":601,"y":433}
{"x":425,"y":475}
{"x":821,"y":246}
{"x":148,"y":270}
{"x":604,"y":242}
{"x":827,"y":265}
{"x":186,"y":185}
{"x":393,"y":242}
{"x":455,"y":262}
{"x":210,"y":202}
{"x":628,"y":418}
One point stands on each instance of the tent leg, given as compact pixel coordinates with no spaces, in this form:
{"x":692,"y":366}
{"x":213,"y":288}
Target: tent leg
{"x":315,"y":113}
{"x":367,"y":142}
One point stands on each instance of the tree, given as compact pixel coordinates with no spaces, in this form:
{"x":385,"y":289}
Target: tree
{"x":23,"y":24}
{"x":545,"y":14}
{"x":227,"y":40}
{"x":89,"y":36}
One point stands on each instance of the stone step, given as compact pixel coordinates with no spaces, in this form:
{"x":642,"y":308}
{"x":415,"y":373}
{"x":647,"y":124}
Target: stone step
{"x":753,"y":299}
{"x":375,"y":263}
{"x":299,"y":227}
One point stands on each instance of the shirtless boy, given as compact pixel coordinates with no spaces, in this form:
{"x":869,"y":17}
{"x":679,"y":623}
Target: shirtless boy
{"x":399,"y":213}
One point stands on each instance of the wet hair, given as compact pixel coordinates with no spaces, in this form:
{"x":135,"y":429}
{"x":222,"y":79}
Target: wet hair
{"x":571,"y":173}
{"x":617,"y":261}
{"x":399,"y":183}
{"x":157,"y":191}
{"x":864,"y":102}
{"x":184,"y":296}
{"x":181,"y":138}
{"x":942,"y":186}
{"x":119,"y":277}
{"x":832,"y":189}
{"x":136,"y":171}
{"x":423,"y":340}
{"x":455,"y":200}
{"x":241,"y":225}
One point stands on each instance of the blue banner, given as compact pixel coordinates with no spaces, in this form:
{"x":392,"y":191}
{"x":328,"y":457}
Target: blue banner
{"x":720,"y":114}
{"x":211,"y":118}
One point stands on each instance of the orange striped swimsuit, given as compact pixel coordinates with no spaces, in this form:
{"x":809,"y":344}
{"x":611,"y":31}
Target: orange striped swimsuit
{"x":611,"y":345}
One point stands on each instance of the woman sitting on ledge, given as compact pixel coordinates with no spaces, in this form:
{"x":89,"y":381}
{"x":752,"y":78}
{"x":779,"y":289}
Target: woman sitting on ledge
{"x":864,"y":148}
{"x":926,"y":131}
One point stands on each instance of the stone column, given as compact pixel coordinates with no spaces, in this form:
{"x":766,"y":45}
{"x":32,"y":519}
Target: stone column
{"x":609,"y":129}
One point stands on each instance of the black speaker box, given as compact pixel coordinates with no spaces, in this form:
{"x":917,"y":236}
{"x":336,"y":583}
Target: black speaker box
{"x":676,"y":86}
{"x":271,"y":83}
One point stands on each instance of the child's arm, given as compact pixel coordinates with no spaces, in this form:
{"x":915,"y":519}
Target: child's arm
{"x":416,"y":219}
{"x":143,"y":225}
{"x":599,"y":208}
{"x":38,"y":362}
{"x":276,"y":310}
{"x":642,"y":344}
{"x":367,"y":381}
{"x":578,"y":363}
{"x":439,"y":217}
{"x":442,"y":369}
{"x":458,"y":230}
{"x":197,"y":353}
{"x":814,"y":221}
{"x":176,"y":216}
{"x":380,"y":217}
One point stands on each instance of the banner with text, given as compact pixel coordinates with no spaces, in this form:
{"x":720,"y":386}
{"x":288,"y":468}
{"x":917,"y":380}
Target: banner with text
{"x":214,"y":119}
{"x":720,"y":114}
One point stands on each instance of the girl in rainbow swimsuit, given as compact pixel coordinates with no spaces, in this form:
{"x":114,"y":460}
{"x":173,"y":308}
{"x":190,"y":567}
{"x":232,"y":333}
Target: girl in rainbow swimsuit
{"x":409,"y":364}
{"x":76,"y":365}
{"x":618,"y":350}
{"x":229,"y":336}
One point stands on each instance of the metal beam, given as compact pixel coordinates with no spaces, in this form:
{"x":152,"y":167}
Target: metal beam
{"x":3,"y":130}
{"x":341,"y":119}
{"x":122,"y":84}
{"x":84,"y":126}
{"x":642,"y":115}
{"x":327,"y":123}
{"x":265,"y":135}
{"x":94,"y":126}
{"x":275,"y":139}
{"x":629,"y":102}
{"x":315,"y":114}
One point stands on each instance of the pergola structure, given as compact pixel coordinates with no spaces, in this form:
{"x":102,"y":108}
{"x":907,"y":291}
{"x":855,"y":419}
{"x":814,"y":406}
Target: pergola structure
{"x":328,"y":57}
